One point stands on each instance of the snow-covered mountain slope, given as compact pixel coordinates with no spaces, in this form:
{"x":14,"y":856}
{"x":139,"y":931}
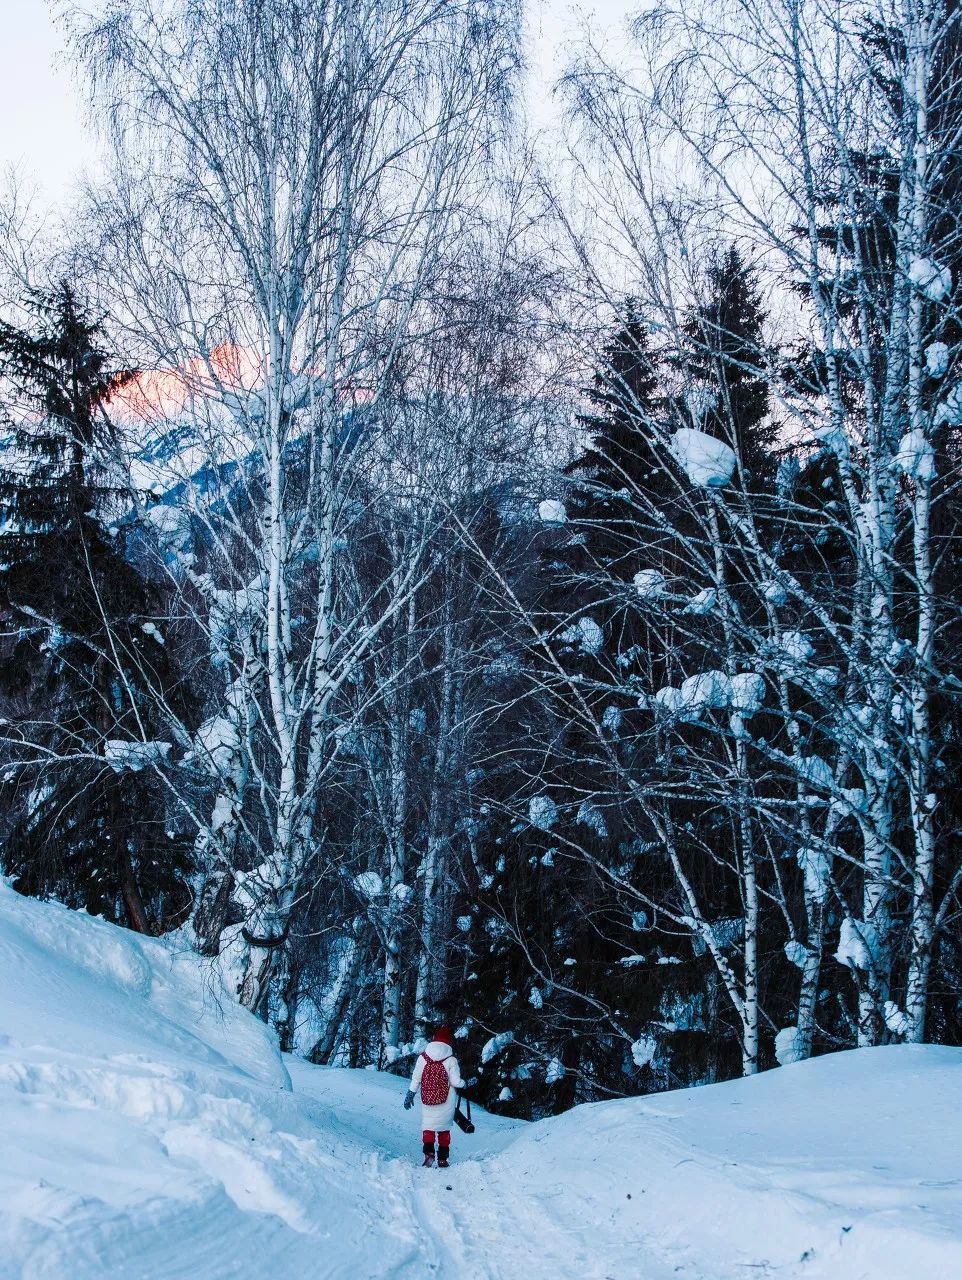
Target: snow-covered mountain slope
{"x":149,"y":1129}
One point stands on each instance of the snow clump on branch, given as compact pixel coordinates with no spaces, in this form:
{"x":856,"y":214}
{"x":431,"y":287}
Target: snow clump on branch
{"x":789,"y":1046}
{"x":937,"y":359}
{"x":590,"y":816}
{"x":816,"y":868}
{"x":703,"y":602}
{"x":950,"y":410}
{"x":708,"y":689}
{"x":611,"y":720}
{"x":542,"y":812}
{"x":497,"y":1044}
{"x":796,"y":646}
{"x":796,"y":953}
{"x":649,"y":583}
{"x":217,"y":740}
{"x":708,"y":462}
{"x":644,"y":1050}
{"x":896,"y":1020}
{"x":552,"y":512}
{"x":856,"y":945}
{"x":171,"y":526}
{"x":700,"y":401}
{"x":555,"y":1071}
{"x":369,"y":885}
{"x":669,"y":699}
{"x":747,"y":693}
{"x":586,"y":634}
{"x":816,"y":772}
{"x":130,"y":757}
{"x":711,"y":690}
{"x":916,"y":457}
{"x":931,"y":279}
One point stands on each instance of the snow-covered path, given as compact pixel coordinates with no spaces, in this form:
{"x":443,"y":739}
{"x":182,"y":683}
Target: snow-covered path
{"x":846,"y":1167}
{"x":483,"y":1218}
{"x":149,"y":1131}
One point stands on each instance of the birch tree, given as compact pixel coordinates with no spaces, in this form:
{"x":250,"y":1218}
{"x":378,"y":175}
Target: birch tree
{"x":286,"y":177}
{"x":805,"y":130}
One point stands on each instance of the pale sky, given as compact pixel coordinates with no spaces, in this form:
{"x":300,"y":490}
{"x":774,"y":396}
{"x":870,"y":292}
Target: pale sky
{"x":42,"y":131}
{"x":41,"y":125}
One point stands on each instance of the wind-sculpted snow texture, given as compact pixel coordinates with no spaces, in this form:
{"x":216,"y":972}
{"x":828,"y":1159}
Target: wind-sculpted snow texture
{"x":150,"y":1129}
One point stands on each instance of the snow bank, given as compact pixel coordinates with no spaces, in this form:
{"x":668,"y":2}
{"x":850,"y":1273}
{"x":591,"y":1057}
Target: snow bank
{"x":149,"y":1130}
{"x":838,"y":1168}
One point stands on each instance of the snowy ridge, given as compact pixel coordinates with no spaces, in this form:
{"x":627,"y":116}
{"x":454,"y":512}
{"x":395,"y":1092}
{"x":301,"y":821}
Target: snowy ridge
{"x":150,"y":1130}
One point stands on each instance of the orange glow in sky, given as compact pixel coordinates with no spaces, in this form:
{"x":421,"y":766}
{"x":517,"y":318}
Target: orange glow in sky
{"x":162,"y":393}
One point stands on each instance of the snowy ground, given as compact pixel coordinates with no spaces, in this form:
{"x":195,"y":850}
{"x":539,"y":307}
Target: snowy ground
{"x":149,"y":1129}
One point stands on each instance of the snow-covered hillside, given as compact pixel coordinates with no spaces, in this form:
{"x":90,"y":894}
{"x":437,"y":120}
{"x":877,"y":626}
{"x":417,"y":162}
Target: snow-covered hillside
{"x":150,"y":1129}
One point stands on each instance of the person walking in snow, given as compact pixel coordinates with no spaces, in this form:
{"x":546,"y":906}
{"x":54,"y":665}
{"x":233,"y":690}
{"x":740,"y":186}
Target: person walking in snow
{"x":438,"y":1077}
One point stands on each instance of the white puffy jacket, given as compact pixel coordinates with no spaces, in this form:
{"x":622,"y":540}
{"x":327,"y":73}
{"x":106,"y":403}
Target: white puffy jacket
{"x":440,"y":1117}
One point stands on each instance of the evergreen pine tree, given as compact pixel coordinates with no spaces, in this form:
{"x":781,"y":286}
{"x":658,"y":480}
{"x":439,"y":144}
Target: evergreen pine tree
{"x":84,"y":809}
{"x":624,"y":401}
{"x":726,"y":353}
{"x":625,"y":513}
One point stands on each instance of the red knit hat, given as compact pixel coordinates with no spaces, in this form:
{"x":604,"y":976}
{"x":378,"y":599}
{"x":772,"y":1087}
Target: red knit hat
{"x":444,"y":1036}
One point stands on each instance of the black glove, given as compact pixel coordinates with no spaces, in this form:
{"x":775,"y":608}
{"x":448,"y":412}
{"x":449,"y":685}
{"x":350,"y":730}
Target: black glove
{"x":409,"y":1100}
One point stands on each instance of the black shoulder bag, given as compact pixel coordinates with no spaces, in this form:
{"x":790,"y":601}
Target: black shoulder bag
{"x":460,"y":1119}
